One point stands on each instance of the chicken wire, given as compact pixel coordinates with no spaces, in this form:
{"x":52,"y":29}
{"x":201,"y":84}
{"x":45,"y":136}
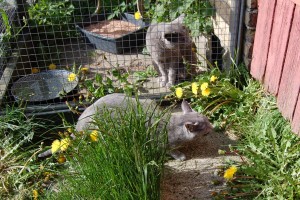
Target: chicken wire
{"x":104,"y":44}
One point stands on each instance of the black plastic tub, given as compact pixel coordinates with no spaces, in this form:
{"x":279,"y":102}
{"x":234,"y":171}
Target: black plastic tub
{"x":132,"y":41}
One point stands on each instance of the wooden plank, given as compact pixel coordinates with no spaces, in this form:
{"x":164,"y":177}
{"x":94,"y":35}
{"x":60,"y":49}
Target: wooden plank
{"x":283,"y":17}
{"x":7,"y":75}
{"x":290,"y":81}
{"x":262,"y":38}
{"x":296,"y":118}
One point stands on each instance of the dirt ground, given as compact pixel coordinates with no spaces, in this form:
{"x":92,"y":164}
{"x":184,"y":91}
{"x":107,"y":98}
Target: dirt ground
{"x":194,"y":178}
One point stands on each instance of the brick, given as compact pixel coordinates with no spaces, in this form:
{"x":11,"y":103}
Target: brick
{"x":247,"y":62}
{"x":249,"y":35}
{"x":251,"y":17}
{"x":248,"y":49}
{"x":251,"y":4}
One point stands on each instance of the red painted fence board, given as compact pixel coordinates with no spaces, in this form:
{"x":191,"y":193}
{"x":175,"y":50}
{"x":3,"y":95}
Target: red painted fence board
{"x":261,"y":44}
{"x":290,"y":81}
{"x":278,"y":45}
{"x":276,"y":54}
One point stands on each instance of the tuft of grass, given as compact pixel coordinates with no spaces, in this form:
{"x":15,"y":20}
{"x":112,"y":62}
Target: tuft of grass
{"x":272,"y":151}
{"x":17,"y":154}
{"x":125,"y":162}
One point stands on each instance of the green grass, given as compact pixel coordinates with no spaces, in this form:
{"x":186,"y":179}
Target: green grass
{"x":272,"y":152}
{"x":18,"y":151}
{"x":125,"y":163}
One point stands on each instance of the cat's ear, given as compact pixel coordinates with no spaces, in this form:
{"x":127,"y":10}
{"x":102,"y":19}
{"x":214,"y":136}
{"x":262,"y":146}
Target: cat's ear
{"x":186,"y":108}
{"x":192,"y":127}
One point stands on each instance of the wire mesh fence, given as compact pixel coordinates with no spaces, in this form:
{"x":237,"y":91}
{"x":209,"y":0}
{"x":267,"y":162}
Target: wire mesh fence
{"x":58,"y":51}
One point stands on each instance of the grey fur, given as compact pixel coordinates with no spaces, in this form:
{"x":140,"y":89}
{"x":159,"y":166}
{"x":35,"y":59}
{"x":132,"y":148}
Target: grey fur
{"x":170,"y":45}
{"x":181,"y":127}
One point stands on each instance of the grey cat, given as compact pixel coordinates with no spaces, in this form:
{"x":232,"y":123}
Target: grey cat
{"x":182,"y":127}
{"x":171,"y":47}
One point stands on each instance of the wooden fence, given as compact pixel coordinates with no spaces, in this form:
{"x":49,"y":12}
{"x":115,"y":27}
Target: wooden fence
{"x":276,"y":54}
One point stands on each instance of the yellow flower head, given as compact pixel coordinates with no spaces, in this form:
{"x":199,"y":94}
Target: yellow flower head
{"x":61,"y":159}
{"x":195,"y":87}
{"x":94,"y":136}
{"x":35,"y":70}
{"x":35,"y":194}
{"x":206,"y":92}
{"x":204,"y":86}
{"x":52,"y":66}
{"x":64,"y":144}
{"x":229,"y":173}
{"x":55,"y":146}
{"x":137,"y":15}
{"x":213,"y":78}
{"x":179,"y":92}
{"x":71,"y":77}
{"x":84,"y":70}
{"x":70,"y":130}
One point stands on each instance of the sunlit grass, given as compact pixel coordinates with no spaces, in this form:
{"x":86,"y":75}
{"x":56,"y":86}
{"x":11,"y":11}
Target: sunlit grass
{"x":125,"y":162}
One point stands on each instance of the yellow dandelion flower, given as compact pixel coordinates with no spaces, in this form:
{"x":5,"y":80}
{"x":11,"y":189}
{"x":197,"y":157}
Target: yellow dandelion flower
{"x":55,"y":146}
{"x":35,"y":194}
{"x":137,"y":15}
{"x":71,"y":77}
{"x":35,"y":70}
{"x":61,"y":159}
{"x":229,"y":173}
{"x":84,"y":70}
{"x":52,"y":66}
{"x":195,"y":87}
{"x":94,"y":136}
{"x":70,"y":130}
{"x":64,"y":143}
{"x":204,"y":86}
{"x":179,"y":92}
{"x":206,"y":92}
{"x":213,"y":78}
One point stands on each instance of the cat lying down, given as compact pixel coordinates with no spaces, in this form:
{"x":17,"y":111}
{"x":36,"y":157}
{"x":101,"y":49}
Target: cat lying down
{"x":182,"y":127}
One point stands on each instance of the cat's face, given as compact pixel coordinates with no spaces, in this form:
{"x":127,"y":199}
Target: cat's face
{"x":187,"y":125}
{"x":195,"y":122}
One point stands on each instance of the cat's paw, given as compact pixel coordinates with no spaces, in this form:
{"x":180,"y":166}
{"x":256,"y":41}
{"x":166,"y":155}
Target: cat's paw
{"x":177,"y":155}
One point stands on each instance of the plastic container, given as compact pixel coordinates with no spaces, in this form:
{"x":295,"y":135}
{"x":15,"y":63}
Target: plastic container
{"x":132,"y":41}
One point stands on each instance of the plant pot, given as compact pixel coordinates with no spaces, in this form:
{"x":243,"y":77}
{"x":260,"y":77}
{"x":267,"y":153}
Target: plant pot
{"x":134,"y":40}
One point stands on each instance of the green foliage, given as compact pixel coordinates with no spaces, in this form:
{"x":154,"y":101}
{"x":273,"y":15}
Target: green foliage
{"x":144,"y":75}
{"x":126,"y":160}
{"x":218,"y":94}
{"x":19,"y":170}
{"x":10,"y":33}
{"x":122,"y":8}
{"x":52,"y":17}
{"x":198,"y":13}
{"x":271,"y":165}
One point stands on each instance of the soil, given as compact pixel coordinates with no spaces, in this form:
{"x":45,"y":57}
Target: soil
{"x":198,"y":177}
{"x":112,"y":28}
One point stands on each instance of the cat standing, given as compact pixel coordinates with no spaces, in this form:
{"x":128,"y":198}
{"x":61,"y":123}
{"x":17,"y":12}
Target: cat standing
{"x":171,"y":48}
